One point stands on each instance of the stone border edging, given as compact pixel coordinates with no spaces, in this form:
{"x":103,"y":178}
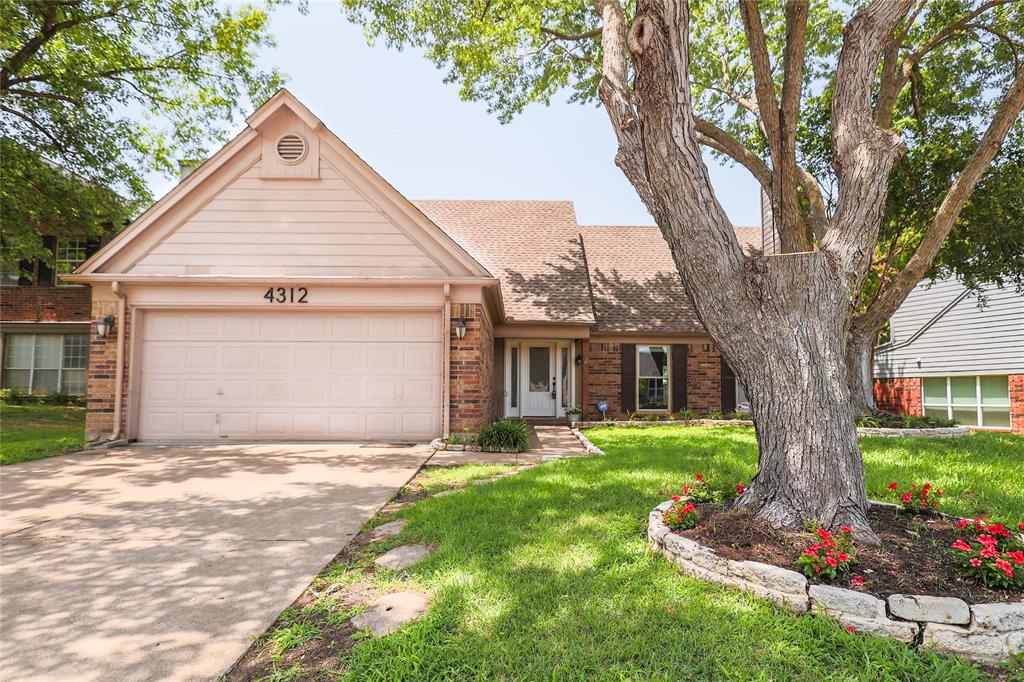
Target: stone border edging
{"x":990,"y":633}
{"x":585,"y":442}
{"x":439,"y":444}
{"x":938,"y":432}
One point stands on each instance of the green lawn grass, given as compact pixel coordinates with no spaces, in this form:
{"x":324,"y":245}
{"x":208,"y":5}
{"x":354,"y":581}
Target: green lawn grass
{"x":548,"y":575}
{"x":30,"y":432}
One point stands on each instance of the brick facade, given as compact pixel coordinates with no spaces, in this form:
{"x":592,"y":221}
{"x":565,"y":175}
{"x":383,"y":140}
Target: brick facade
{"x":900,"y":395}
{"x":1017,"y":402}
{"x":704,"y":378}
{"x":99,"y":418}
{"x":604,"y":379}
{"x":45,"y":304}
{"x":471,"y":374}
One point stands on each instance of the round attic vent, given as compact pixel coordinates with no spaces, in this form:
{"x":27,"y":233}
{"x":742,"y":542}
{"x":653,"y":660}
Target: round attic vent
{"x":291,"y":148}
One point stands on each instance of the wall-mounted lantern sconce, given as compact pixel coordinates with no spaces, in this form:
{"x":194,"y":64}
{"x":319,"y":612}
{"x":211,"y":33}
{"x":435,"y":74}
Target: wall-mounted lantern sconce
{"x":460,"y":328}
{"x":706,"y":348}
{"x":105,"y":326}
{"x":579,"y":359}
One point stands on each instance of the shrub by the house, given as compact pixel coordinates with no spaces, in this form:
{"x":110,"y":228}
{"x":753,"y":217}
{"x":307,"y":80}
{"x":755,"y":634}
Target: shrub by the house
{"x":505,"y":434}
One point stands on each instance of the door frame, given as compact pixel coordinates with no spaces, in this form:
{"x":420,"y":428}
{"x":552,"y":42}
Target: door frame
{"x":558,"y":347}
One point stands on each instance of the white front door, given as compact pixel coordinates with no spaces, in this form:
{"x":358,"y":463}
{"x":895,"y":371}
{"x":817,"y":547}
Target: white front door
{"x":541,"y":381}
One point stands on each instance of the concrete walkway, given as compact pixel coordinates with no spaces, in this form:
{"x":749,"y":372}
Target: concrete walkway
{"x":545,"y":441}
{"x":162,"y":562}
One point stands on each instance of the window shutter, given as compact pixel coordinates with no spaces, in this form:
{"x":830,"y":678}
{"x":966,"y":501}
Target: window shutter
{"x":728,"y":388}
{"x":26,"y":270}
{"x":680,"y":353}
{"x":628,"y":397}
{"x":45,"y":276}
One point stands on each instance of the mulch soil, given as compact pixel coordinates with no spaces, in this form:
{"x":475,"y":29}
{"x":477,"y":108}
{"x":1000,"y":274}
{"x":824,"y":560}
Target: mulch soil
{"x":914,"y":557}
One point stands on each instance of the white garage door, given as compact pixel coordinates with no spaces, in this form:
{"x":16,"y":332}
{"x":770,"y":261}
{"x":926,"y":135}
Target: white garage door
{"x":254,"y":375}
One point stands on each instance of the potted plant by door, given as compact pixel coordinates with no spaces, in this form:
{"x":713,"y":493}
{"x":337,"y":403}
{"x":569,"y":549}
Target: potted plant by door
{"x":574,"y":414}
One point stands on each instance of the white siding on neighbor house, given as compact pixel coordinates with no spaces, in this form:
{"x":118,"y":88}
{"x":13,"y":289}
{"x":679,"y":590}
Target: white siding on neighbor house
{"x":271,"y":226}
{"x":966,"y":340}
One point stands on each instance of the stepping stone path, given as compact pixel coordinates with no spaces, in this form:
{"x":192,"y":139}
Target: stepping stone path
{"x":387,"y":530}
{"x":392,"y":611}
{"x":402,"y":556}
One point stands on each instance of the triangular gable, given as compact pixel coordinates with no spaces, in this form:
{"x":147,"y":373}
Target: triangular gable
{"x":285,"y":198}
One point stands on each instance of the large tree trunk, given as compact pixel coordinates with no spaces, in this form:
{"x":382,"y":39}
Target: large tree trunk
{"x":860,"y":368}
{"x":796,"y":378}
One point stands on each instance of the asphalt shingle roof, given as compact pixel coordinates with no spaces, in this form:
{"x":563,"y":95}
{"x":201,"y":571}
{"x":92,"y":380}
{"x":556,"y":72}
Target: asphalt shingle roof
{"x":544,"y":260}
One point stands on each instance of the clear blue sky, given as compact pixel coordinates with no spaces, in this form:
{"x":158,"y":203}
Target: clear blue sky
{"x":395,"y":111}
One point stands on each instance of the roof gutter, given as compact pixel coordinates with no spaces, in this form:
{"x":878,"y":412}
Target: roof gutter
{"x":886,"y":348}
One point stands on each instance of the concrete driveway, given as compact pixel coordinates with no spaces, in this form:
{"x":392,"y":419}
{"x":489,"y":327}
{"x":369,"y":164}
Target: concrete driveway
{"x":162,"y":562}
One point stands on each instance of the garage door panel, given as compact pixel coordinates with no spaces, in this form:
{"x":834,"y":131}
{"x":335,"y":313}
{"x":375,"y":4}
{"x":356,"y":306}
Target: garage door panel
{"x":288,"y":375}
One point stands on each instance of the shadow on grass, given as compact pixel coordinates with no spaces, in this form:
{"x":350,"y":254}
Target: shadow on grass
{"x":547,"y":575}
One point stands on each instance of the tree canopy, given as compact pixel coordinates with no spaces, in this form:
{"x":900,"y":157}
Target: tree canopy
{"x":98,"y":93}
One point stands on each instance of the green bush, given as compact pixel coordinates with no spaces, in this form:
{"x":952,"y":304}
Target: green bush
{"x":465,"y":437}
{"x":884,"y":420}
{"x":18,"y":396}
{"x":505,"y":434}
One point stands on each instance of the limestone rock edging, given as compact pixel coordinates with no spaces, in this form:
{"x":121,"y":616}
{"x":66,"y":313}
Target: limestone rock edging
{"x":943,"y":432}
{"x":991,"y":633}
{"x":585,"y":442}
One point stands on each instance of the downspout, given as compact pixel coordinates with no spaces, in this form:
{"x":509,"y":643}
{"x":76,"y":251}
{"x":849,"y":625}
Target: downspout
{"x":446,"y":350}
{"x":122,"y":305}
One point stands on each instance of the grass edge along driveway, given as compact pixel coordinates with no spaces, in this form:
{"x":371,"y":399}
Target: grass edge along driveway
{"x":547,"y":574}
{"x":30,"y":432}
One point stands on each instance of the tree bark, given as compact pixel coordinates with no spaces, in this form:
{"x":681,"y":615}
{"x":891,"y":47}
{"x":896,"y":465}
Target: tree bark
{"x":860,"y":368}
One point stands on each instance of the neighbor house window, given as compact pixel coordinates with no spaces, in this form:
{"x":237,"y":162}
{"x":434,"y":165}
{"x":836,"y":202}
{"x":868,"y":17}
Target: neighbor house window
{"x":972,"y":401}
{"x":46,"y":363}
{"x":652,"y":378}
{"x":69,"y":255}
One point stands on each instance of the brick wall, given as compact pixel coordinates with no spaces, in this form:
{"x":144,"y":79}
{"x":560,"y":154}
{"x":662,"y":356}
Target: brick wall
{"x":1017,"y":402}
{"x":45,"y":304}
{"x":471,"y":377}
{"x":900,"y":395}
{"x":604,"y":379}
{"x":99,"y":418}
{"x":704,"y":378}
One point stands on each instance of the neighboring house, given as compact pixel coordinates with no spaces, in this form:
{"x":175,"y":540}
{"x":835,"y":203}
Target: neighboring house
{"x":284,"y":290}
{"x":44,"y":321}
{"x":950,"y":355}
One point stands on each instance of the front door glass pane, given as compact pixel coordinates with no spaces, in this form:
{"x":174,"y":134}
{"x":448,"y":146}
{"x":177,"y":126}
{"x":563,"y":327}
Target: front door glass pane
{"x":565,"y":377}
{"x":540,"y":370}
{"x":513,"y":384}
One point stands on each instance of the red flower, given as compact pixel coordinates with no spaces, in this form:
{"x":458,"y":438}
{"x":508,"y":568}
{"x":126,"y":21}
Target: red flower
{"x":845,"y":529}
{"x":831,"y":561}
{"x":962,"y":546}
{"x":857,"y":581}
{"x":850,"y":628}
{"x":1005,"y":567}
{"x":997,"y":529}
{"x":939,"y":493}
{"x":1020,"y":527}
{"x":906,"y":497}
{"x":817,"y":569}
{"x":975,"y":562}
{"x":894,"y":485}
{"x":686,"y":490}
{"x":989,"y":552}
{"x":740,"y":488}
{"x":676,"y":498}
{"x":987,"y":540}
{"x":688,"y":508}
{"x":842,"y":556}
{"x":962,"y":523}
{"x":824,"y":534}
{"x":699,"y":477}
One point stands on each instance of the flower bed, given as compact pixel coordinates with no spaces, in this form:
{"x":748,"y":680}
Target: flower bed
{"x":943,"y":432}
{"x":886,"y":592}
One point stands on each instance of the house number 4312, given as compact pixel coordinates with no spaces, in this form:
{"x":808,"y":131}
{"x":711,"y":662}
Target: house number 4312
{"x":286,"y":295}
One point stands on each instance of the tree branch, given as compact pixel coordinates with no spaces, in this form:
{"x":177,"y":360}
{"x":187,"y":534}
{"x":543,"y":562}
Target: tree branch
{"x":712,"y":136}
{"x":38,"y":126}
{"x":594,"y":33}
{"x":863,"y":153}
{"x":44,"y":95}
{"x":794,"y":233}
{"x":948,"y":213}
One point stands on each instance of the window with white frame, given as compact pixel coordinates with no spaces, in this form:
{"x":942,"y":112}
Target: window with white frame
{"x":972,"y":401}
{"x":69,"y":255}
{"x":652,"y":377}
{"x":46,"y":363}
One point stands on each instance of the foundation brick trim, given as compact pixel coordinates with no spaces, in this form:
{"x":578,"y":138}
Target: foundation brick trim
{"x":471,"y":369}
{"x":991,"y":633}
{"x":899,"y":395}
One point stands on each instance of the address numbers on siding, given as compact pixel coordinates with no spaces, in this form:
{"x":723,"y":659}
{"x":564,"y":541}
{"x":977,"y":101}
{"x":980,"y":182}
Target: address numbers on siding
{"x":286,"y":295}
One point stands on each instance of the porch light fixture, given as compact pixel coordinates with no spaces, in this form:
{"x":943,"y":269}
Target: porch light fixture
{"x":460,"y":328}
{"x":105,"y":326}
{"x":579,"y":358}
